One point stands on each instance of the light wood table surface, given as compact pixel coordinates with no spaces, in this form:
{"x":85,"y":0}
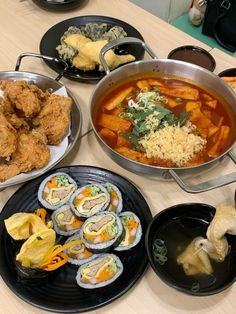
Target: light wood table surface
{"x":224,"y":61}
{"x":22,"y":26}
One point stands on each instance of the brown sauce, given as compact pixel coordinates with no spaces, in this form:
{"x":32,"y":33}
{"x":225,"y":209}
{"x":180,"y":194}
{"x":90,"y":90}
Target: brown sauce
{"x":194,"y":55}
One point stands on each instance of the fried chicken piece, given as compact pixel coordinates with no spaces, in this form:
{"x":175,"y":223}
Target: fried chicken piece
{"x":8,"y":171}
{"x":31,"y":153}
{"x":54,"y":118}
{"x":26,"y":98}
{"x":8,"y":138}
{"x":18,"y":123}
{"x":6,"y":106}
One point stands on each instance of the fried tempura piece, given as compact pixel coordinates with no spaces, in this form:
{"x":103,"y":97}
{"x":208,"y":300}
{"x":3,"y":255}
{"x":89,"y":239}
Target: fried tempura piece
{"x":83,"y":63}
{"x":26,"y":98}
{"x":31,"y":153}
{"x":76,"y":40}
{"x":88,"y":53}
{"x":54,"y":118}
{"x":8,"y":138}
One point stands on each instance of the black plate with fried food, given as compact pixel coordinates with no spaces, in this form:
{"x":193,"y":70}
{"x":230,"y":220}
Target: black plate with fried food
{"x":52,"y":39}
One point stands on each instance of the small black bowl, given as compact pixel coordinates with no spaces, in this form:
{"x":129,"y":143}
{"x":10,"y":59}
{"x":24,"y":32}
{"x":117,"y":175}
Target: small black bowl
{"x":228,"y":72}
{"x":58,"y":6}
{"x":172,"y":230}
{"x":195,"y":55}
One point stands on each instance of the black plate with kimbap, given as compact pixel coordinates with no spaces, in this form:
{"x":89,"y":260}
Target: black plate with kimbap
{"x":75,"y":280}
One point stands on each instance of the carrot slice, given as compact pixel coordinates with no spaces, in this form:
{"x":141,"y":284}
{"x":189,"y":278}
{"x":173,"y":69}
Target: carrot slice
{"x":55,"y":257}
{"x":56,"y":262}
{"x":41,"y":213}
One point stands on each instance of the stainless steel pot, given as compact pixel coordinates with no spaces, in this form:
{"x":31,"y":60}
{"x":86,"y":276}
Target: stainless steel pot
{"x":182,"y":69}
{"x":45,"y":83}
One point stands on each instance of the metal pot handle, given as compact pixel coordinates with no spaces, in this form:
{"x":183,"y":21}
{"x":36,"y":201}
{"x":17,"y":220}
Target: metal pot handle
{"x":37,"y":55}
{"x":208,"y":185}
{"x":121,"y":41}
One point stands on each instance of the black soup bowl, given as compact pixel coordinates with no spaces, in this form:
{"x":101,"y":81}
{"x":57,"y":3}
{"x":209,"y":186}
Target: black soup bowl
{"x":167,"y":236}
{"x":54,"y":5}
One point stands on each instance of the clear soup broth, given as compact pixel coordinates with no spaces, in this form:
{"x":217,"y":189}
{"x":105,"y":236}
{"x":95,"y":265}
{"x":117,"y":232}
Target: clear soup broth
{"x":175,"y":236}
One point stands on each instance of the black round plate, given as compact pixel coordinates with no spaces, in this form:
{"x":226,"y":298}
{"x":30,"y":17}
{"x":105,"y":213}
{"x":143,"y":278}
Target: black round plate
{"x":61,"y":293}
{"x":51,"y":40}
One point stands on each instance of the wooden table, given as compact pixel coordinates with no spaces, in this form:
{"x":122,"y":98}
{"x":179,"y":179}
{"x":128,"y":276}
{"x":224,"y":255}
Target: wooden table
{"x":22,"y":26}
{"x":224,"y":61}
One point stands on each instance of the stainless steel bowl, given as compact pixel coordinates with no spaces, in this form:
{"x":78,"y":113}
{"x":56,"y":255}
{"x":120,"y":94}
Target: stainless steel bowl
{"x":173,"y":67}
{"x":45,"y":83}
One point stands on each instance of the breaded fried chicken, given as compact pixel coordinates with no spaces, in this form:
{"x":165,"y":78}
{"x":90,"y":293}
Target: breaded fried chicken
{"x":31,"y":153}
{"x":29,"y":120}
{"x":54,"y":118}
{"x":27,"y":98}
{"x":18,"y":123}
{"x":8,"y":171}
{"x":6,"y":106}
{"x":8,"y":138}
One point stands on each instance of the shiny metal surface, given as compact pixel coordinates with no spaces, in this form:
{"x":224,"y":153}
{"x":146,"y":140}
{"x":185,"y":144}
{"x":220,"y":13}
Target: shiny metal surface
{"x":46,"y":83}
{"x":185,"y":70}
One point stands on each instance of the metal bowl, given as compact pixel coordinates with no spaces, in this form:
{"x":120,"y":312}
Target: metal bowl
{"x":45,"y":83}
{"x":182,"y":69}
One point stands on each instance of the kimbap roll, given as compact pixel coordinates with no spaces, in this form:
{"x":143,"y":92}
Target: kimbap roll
{"x":100,"y":272}
{"x":89,"y":200}
{"x":116,"y":201}
{"x":78,"y":254}
{"x":55,"y":190}
{"x":102,"y":232}
{"x":65,"y":222}
{"x":133,"y":231}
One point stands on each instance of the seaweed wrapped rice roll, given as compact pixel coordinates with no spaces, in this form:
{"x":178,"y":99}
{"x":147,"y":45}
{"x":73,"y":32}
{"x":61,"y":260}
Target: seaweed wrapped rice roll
{"x":89,"y":200}
{"x":100,"y":272}
{"x":65,"y":222}
{"x":116,"y":201}
{"x":133,"y":231}
{"x":78,"y":254}
{"x":55,"y":190}
{"x":102,"y":232}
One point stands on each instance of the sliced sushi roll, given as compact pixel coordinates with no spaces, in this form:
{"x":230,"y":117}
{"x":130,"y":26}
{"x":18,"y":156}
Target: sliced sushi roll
{"x":102,"y":232}
{"x":78,"y":254}
{"x":65,"y":222}
{"x":55,"y":190}
{"x":100,"y":272}
{"x":116,"y":201}
{"x":89,"y":200}
{"x":133,"y":231}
